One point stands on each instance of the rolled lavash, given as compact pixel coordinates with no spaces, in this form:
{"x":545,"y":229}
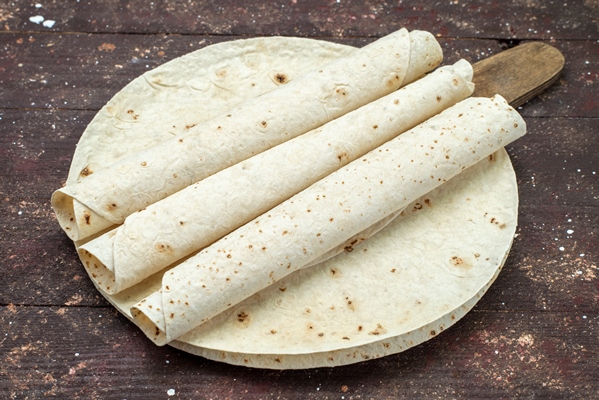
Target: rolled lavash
{"x":171,"y":229}
{"x":309,"y":224}
{"x":108,"y":196}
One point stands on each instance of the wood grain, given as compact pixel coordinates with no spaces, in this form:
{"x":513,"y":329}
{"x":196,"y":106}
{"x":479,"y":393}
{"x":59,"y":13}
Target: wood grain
{"x":91,"y":352}
{"x":480,"y":19}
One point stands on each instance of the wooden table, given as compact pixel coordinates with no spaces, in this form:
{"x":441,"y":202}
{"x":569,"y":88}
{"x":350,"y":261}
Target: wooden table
{"x":535,"y":334}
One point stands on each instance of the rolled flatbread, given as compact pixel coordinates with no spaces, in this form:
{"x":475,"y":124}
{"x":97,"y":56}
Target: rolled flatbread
{"x":316,"y":220}
{"x":173,"y":228}
{"x":108,"y":196}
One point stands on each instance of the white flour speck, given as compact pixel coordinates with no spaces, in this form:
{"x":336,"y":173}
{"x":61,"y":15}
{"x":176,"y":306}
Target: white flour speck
{"x":561,"y":248}
{"x":38,"y":5}
{"x":170,"y":392}
{"x":49,"y":23}
{"x":569,"y":231}
{"x":36,"y":19}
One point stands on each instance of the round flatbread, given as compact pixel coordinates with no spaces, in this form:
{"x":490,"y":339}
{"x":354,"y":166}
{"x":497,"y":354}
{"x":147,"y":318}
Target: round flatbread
{"x":406,"y":284}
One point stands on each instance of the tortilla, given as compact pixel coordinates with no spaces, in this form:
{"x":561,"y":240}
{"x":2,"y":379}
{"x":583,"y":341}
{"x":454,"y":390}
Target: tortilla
{"x":314,"y":221}
{"x":185,"y":222}
{"x":108,"y":196}
{"x":280,"y":327}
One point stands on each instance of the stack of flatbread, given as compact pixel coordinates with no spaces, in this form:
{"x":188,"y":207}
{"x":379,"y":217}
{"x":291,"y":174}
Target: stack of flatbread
{"x":274,"y":206}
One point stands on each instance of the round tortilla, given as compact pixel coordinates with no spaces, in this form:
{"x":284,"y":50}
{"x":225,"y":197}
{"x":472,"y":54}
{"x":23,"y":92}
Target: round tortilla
{"x":435,"y":260}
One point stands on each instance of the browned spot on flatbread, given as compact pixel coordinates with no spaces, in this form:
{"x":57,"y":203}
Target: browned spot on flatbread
{"x":334,"y":273}
{"x":243,"y":317}
{"x":132,"y":113}
{"x":379,"y":330}
{"x":350,"y":304}
{"x":86,"y":171}
{"x":87,"y":217}
{"x":163,"y":248}
{"x":457,"y":261}
{"x":417,"y":207}
{"x":281,"y":78}
{"x":221,"y":73}
{"x":111,"y":206}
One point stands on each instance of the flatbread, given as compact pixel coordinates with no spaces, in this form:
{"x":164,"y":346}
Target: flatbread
{"x":426,"y":296}
{"x":294,"y":108}
{"x":185,"y":222}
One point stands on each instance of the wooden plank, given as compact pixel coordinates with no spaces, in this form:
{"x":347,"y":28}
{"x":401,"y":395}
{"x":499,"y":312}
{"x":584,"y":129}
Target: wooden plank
{"x":95,"y":353}
{"x":315,"y":18}
{"x":84,"y":71}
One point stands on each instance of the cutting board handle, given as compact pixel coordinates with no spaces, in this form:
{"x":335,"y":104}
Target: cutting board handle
{"x":518,"y":74}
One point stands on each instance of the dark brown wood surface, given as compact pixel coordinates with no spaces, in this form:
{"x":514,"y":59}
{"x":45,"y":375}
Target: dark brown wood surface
{"x":535,"y":334}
